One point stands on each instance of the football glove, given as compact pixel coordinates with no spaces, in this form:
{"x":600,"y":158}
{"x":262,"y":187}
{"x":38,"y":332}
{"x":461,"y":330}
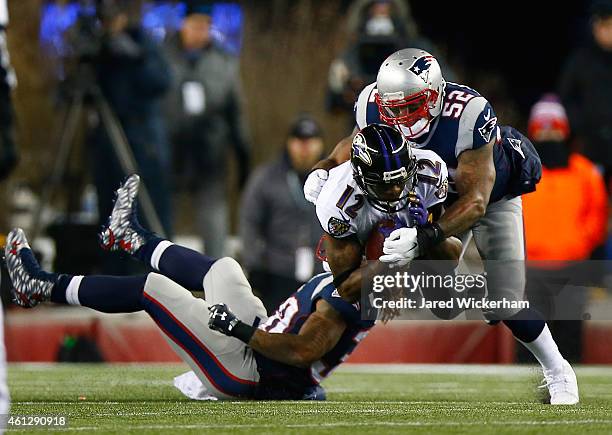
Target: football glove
{"x":314,"y":183}
{"x":401,"y":247}
{"x":221,"y":319}
{"x":417,"y":210}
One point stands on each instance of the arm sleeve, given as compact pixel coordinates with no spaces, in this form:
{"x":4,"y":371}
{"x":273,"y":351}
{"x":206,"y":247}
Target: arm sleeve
{"x":331,"y":218}
{"x":477,"y":125}
{"x":433,"y":179}
{"x":253,"y":221}
{"x":349,"y":312}
{"x":366,"y":111}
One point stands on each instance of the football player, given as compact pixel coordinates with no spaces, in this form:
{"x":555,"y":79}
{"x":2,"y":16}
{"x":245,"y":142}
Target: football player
{"x":384,"y":179}
{"x":489,"y":168}
{"x":233,"y":348}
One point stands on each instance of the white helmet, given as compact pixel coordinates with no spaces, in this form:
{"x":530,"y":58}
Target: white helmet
{"x":410,"y":90}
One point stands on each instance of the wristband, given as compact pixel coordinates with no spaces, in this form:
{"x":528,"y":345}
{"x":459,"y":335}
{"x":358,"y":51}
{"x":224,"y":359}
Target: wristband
{"x":242,"y":331}
{"x":429,"y":236}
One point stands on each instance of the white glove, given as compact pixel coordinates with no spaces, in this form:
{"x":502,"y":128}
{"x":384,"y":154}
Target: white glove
{"x":401,"y":247}
{"x":314,"y":183}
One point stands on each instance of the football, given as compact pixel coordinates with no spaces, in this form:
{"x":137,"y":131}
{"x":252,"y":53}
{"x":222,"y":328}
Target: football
{"x":374,"y":245}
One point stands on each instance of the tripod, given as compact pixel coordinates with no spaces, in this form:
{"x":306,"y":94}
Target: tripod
{"x":87,"y":96}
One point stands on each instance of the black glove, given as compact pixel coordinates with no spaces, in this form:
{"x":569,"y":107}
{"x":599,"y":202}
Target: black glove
{"x":221,"y":319}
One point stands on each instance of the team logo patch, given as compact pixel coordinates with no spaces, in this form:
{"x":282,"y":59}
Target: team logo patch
{"x":516,"y":145}
{"x":420,"y":67}
{"x":486,"y":131}
{"x":337,"y":227}
{"x":442,"y":191}
{"x":360,"y":149}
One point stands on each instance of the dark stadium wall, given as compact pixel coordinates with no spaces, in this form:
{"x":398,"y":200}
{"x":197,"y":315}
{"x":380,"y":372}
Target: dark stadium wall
{"x":525,"y":43}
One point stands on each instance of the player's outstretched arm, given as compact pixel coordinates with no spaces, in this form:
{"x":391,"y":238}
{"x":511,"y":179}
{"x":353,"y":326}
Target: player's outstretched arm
{"x":318,"y":335}
{"x":474,"y":181}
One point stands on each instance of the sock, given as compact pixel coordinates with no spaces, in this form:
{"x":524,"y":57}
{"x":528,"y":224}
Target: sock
{"x":108,"y":294}
{"x":526,"y":325}
{"x":529,"y":328}
{"x":182,"y":265}
{"x":145,"y":252}
{"x":58,"y":292}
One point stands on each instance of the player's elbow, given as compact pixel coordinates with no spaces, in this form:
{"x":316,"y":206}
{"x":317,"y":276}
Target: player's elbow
{"x":305,"y":356}
{"x":478,"y":206}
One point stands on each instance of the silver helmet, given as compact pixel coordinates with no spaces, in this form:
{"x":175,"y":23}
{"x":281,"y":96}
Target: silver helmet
{"x":410,"y":90}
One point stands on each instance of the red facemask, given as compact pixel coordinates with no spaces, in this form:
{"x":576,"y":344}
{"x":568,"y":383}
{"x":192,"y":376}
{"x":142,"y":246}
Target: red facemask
{"x":408,"y":111}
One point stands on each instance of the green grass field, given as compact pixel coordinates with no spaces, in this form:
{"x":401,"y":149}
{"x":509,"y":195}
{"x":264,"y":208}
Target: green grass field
{"x":374,"y":399}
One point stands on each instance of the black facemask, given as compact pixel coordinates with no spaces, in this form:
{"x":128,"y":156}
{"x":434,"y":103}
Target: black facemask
{"x":553,"y":154}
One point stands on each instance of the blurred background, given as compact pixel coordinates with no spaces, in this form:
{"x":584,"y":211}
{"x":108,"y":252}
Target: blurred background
{"x":223,"y":107}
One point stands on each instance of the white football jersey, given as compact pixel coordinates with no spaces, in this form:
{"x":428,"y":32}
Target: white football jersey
{"x":343,"y":209}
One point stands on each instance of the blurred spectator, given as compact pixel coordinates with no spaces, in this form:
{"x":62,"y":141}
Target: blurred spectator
{"x":565,"y":218}
{"x":8,"y":160}
{"x":133,"y":76}
{"x":8,"y":149}
{"x":586,"y":88}
{"x":205,"y":115}
{"x":378,"y":28}
{"x":278,"y":227}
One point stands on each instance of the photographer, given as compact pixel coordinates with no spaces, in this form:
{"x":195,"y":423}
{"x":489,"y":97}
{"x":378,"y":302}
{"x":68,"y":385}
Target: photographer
{"x":133,"y":76}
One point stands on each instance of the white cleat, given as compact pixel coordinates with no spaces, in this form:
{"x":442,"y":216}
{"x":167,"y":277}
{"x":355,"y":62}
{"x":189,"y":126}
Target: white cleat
{"x":562,"y":385}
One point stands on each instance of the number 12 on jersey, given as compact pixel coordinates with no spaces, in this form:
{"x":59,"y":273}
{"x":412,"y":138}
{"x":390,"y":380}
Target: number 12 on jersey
{"x":351,"y":210}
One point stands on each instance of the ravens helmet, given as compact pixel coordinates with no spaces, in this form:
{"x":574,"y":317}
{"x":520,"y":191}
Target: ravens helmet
{"x":383,"y":167}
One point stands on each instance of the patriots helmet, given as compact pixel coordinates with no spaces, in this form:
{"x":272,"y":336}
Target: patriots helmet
{"x":383,"y":166}
{"x":410,"y":90}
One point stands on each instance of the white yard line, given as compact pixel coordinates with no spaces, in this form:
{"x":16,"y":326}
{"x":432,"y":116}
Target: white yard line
{"x":478,"y":369}
{"x":335,"y":425}
{"x":470,"y":369}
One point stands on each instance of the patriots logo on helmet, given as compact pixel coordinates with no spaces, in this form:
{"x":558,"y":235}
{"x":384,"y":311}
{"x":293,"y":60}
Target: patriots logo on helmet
{"x":360,"y":149}
{"x":420,"y":67}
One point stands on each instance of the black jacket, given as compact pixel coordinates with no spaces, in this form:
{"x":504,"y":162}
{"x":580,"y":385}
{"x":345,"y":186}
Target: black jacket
{"x":586,"y":91}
